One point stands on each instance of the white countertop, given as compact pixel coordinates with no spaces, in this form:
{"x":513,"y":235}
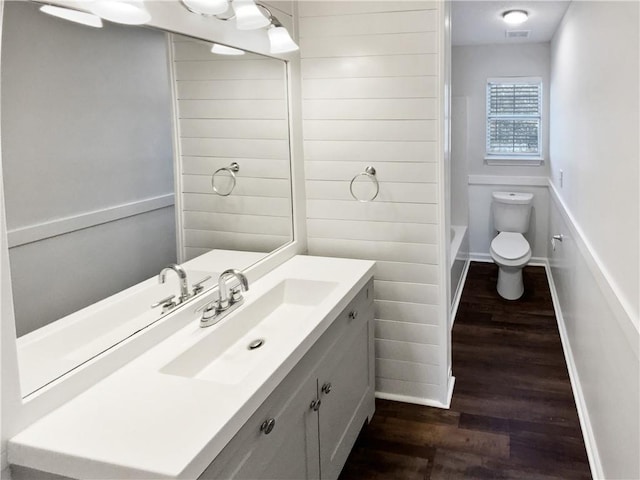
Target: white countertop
{"x":141,"y":423}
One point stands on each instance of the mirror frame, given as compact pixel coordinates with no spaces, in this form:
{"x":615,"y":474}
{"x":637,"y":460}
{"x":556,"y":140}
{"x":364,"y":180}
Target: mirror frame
{"x":170,"y":16}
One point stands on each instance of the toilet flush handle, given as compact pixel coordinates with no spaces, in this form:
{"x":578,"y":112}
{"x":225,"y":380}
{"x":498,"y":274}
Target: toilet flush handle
{"x":559,"y":238}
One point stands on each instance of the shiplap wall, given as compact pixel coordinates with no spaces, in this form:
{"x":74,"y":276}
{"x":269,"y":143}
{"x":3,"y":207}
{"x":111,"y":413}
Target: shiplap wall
{"x":371,"y":96}
{"x":232,"y":109}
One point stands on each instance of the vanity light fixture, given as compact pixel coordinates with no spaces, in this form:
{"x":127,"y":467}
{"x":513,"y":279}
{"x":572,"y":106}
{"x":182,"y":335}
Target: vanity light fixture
{"x":206,"y":7}
{"x":279,"y":39}
{"x":515,"y":17}
{"x":248,"y":15}
{"x":88,"y":19}
{"x":224,"y":50}
{"x":128,"y":12}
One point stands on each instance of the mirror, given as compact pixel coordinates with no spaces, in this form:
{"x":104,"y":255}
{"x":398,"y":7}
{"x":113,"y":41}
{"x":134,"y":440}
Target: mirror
{"x":110,"y":139}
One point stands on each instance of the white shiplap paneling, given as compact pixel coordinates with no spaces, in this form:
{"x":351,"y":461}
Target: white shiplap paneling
{"x":373,"y":66}
{"x":387,"y":23}
{"x":375,"y":87}
{"x":371,"y":96}
{"x":232,"y":109}
{"x":372,"y":151}
{"x":389,"y":191}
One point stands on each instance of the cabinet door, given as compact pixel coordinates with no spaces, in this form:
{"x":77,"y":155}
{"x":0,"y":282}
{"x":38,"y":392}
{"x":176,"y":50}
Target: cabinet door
{"x":288,"y":451}
{"x":349,"y":399}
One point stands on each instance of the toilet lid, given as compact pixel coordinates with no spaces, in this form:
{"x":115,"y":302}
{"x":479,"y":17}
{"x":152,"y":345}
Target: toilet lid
{"x":510,"y":245}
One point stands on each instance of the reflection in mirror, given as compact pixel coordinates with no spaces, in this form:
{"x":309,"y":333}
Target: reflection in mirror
{"x":89,"y":152}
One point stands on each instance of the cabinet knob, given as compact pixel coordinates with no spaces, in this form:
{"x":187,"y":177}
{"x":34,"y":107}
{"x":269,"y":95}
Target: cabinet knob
{"x":267,"y":426}
{"x":326,"y":388}
{"x":353,"y":314}
{"x":315,"y":404}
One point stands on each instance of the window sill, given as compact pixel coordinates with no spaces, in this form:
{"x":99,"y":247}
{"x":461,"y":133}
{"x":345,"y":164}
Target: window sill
{"x":524,"y":162}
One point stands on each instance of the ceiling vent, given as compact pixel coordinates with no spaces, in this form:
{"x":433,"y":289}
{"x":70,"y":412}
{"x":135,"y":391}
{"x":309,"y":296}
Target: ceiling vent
{"x":517,"y":33}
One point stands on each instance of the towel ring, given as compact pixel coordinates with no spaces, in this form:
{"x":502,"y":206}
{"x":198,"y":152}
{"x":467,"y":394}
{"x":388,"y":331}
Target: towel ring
{"x":231,"y":170}
{"x":369,"y":172}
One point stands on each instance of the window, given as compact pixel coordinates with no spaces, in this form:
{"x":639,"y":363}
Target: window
{"x":514,"y":107}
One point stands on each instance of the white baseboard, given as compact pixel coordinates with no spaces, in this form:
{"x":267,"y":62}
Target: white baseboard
{"x":458,"y":295}
{"x":427,"y":402}
{"x":583,"y":414}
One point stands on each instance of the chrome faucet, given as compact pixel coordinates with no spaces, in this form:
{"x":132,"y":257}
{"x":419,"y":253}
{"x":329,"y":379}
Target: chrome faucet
{"x":214,"y":311}
{"x":182,"y":275}
{"x":224,"y":300}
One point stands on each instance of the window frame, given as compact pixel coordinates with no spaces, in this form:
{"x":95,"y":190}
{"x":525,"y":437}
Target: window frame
{"x":514,"y":158}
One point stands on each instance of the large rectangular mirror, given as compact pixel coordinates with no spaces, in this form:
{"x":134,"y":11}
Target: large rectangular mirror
{"x":110,"y":141}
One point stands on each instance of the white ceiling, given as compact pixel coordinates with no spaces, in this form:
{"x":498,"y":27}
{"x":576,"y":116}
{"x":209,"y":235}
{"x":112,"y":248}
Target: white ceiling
{"x":480,"y":22}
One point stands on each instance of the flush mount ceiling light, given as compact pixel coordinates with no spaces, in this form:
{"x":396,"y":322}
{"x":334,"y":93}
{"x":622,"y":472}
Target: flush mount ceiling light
{"x":248,"y":15}
{"x":129,"y":12}
{"x":206,"y":7}
{"x":88,"y":19}
{"x":224,"y":50}
{"x":515,"y":17}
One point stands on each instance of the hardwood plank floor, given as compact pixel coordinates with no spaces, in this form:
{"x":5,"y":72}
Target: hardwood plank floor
{"x":512,"y":415}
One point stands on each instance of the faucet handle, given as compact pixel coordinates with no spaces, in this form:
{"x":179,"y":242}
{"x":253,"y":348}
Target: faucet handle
{"x":236,"y":294}
{"x":209,"y":313}
{"x":197,"y":287}
{"x":167,"y":303}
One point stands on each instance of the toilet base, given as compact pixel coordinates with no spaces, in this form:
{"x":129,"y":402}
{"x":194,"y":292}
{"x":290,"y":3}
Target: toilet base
{"x":510,"y":284}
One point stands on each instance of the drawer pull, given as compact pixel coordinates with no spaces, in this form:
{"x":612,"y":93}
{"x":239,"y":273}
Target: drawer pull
{"x":326,"y":388}
{"x":315,"y":404}
{"x":353,"y":314}
{"x":267,"y":426}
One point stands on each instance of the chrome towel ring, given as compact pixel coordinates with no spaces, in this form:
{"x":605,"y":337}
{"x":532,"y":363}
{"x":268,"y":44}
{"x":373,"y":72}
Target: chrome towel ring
{"x":370,"y":173}
{"x":231,"y":170}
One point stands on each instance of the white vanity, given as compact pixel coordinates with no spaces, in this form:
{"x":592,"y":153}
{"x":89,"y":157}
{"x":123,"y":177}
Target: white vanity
{"x":202,"y":404}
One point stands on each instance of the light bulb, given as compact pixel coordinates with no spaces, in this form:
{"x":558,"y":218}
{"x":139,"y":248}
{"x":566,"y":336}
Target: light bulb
{"x":206,"y":7}
{"x":73,"y":15}
{"x":515,"y":17}
{"x":280,"y":40}
{"x":129,"y":12}
{"x":248,"y":16}
{"x":224,"y":50}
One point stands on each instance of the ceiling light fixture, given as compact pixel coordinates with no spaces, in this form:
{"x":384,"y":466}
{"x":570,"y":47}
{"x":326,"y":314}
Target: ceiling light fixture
{"x":224,"y":50}
{"x":88,"y":19}
{"x":248,"y":15}
{"x":515,"y":17}
{"x":128,"y":12}
{"x":206,"y":7}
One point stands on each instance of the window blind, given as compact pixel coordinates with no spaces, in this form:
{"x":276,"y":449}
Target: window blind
{"x":513,"y":118}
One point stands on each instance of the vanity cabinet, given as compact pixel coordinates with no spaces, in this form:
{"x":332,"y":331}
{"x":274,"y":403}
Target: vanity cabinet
{"x":308,"y":425}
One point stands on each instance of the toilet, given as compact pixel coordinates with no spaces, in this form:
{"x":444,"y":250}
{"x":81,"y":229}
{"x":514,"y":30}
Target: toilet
{"x":510,"y":250}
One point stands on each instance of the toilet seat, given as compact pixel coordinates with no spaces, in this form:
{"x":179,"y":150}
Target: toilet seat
{"x":510,"y":249}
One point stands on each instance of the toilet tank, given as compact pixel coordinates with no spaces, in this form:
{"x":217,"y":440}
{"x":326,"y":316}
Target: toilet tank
{"x":511,"y":211}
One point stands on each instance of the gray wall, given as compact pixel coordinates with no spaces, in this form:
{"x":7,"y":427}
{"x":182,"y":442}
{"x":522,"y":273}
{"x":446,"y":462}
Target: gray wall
{"x":86,"y":127}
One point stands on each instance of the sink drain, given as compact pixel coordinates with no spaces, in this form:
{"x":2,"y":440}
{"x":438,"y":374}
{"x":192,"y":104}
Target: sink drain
{"x":256,"y":344}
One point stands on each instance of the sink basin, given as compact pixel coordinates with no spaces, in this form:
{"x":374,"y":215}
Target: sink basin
{"x":274,"y":324}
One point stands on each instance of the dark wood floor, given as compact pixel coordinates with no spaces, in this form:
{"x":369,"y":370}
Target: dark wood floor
{"x":512,"y":414}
